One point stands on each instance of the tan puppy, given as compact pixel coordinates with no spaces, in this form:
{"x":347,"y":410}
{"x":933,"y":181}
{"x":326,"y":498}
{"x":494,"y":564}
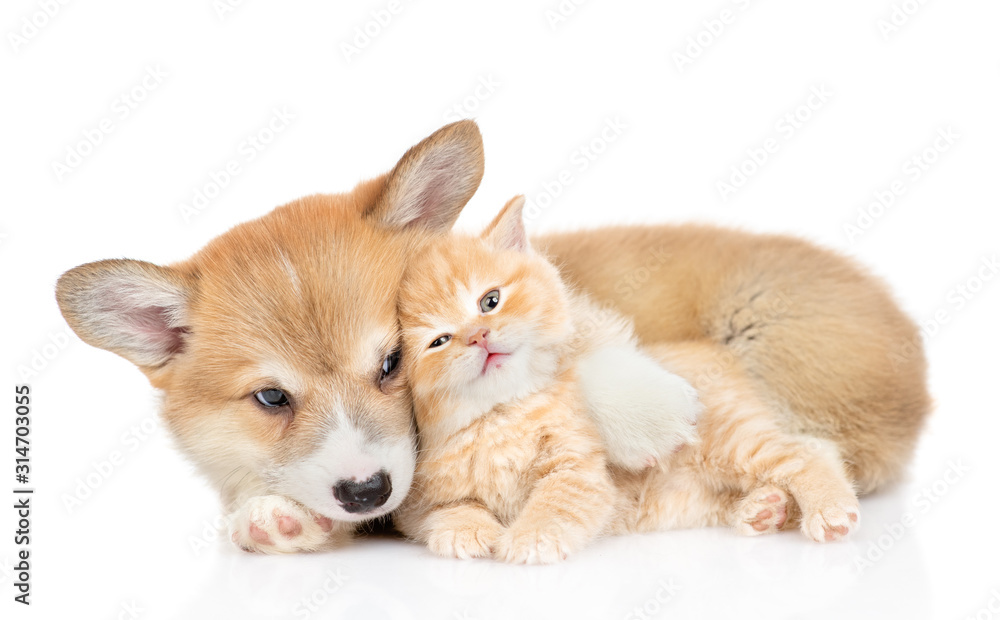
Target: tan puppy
{"x":825,"y":347}
{"x":276,"y":346}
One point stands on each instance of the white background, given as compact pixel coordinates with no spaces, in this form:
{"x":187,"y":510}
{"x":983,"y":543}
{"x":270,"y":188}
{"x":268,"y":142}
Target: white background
{"x":133,"y":542}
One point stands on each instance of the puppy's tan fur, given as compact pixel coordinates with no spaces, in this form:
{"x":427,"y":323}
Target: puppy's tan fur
{"x":817,"y":336}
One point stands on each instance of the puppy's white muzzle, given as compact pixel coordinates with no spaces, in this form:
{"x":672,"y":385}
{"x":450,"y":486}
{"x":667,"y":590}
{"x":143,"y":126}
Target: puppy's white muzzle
{"x":352,"y":477}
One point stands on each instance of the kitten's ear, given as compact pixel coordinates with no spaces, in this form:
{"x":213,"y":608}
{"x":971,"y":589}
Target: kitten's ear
{"x":132,"y":308}
{"x":433,"y":181}
{"x":506,"y":231}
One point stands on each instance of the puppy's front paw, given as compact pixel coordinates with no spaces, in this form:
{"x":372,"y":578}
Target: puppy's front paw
{"x":276,"y":524}
{"x":531,"y":546}
{"x":644,"y":412}
{"x":677,"y":427}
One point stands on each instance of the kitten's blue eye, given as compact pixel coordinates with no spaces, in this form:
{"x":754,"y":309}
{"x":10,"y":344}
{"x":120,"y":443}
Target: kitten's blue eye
{"x":271,"y":398}
{"x":489,"y":301}
{"x":440,"y":341}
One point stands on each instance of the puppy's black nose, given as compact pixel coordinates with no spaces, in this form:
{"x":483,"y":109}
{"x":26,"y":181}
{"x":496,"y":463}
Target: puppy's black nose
{"x":363,"y":496}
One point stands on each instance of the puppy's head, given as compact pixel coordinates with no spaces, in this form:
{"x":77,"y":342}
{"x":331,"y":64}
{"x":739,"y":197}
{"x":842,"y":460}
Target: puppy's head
{"x":277,"y":347}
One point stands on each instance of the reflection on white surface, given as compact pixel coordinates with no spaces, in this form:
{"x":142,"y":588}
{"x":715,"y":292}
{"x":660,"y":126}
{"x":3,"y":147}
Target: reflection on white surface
{"x":709,"y":573}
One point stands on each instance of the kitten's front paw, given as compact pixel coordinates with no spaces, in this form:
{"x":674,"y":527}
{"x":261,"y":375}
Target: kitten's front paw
{"x":832,"y":522}
{"x":277,"y":524}
{"x":762,"y":511}
{"x":464,"y":541}
{"x":531,"y":546}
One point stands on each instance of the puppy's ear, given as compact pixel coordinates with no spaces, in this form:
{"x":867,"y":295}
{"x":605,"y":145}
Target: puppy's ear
{"x":433,"y":181}
{"x":132,"y":308}
{"x":506,"y":231}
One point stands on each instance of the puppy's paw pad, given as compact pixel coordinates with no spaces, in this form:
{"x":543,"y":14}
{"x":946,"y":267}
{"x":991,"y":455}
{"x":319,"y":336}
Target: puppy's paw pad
{"x":276,"y":524}
{"x":531,"y":547}
{"x":324,"y":523}
{"x":289,"y":527}
{"x":832,"y":523}
{"x":259,"y":535}
{"x":763,"y":511}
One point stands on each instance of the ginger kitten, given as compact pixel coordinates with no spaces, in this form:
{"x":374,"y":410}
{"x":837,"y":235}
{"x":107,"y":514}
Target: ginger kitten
{"x":510,"y":464}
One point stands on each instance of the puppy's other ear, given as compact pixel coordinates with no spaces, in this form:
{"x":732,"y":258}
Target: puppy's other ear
{"x":132,"y":308}
{"x":433,"y":181}
{"x":506,"y":231}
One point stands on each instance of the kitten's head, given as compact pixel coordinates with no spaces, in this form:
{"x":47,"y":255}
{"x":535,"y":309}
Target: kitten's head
{"x":483,"y":317}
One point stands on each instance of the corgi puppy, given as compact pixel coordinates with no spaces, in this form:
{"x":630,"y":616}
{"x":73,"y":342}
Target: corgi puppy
{"x":277,"y":347}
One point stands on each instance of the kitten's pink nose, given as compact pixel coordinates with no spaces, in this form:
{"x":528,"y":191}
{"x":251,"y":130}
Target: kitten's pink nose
{"x":478,"y":337}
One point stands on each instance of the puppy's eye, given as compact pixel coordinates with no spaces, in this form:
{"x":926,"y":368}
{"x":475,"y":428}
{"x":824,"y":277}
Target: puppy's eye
{"x":440,"y":341}
{"x":489,"y":301}
{"x":271,"y":398}
{"x":389,"y":364}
